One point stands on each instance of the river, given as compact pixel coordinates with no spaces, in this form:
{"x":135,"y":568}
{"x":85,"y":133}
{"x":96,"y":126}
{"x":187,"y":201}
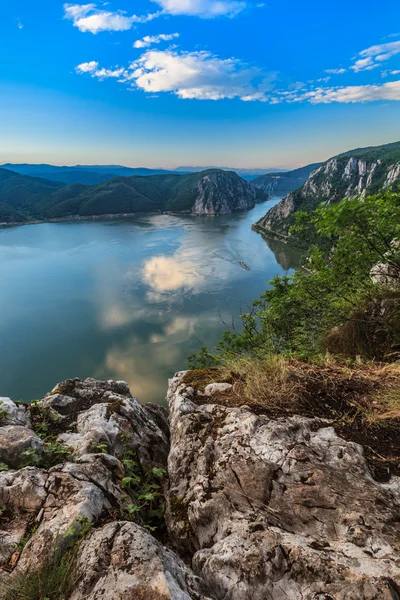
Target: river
{"x":124,"y":299}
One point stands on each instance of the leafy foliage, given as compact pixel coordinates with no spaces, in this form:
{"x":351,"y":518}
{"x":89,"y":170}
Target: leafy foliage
{"x":295,"y":316}
{"x":44,"y":423}
{"x":145,"y":489}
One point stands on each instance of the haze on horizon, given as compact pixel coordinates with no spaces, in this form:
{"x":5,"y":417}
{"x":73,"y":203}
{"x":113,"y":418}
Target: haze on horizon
{"x":166,"y":83}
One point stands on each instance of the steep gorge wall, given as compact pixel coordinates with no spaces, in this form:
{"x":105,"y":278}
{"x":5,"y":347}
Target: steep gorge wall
{"x":341,"y":177}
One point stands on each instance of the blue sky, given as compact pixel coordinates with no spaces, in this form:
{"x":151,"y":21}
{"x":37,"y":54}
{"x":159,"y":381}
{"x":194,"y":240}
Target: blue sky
{"x":203,"y":82}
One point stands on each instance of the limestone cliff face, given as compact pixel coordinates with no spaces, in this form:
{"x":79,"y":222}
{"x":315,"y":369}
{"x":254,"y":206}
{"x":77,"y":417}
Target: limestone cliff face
{"x":222,"y":192}
{"x":345,"y":176}
{"x":279,"y":184}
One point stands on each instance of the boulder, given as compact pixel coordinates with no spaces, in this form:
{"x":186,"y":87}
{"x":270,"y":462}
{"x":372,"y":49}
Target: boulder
{"x":123,"y":561}
{"x":14,"y":441}
{"x":277,"y":508}
{"x":13,"y":414}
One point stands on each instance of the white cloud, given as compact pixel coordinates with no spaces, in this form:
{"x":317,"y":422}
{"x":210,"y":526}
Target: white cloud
{"x":374,"y":56}
{"x":338,"y":71}
{"x":19,"y":24}
{"x":189,"y":75}
{"x":149,"y":40}
{"x":87,"y":67}
{"x":206,"y":9}
{"x":364,"y":64}
{"x":349,"y":94}
{"x":86,"y":17}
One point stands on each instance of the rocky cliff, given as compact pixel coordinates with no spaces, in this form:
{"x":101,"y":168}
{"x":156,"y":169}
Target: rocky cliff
{"x":220,"y":193}
{"x":278,"y":184}
{"x":355,"y":173}
{"x":257,"y":506}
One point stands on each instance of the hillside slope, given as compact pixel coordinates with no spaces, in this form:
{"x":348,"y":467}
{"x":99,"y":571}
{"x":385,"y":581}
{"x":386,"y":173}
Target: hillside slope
{"x":354,"y":173}
{"x":212,"y":192}
{"x":21,"y":193}
{"x":276,"y":184}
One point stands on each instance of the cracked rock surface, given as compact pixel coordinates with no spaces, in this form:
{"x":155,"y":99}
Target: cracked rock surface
{"x":257,"y":508}
{"x":278,"y":508}
{"x":117,"y":559}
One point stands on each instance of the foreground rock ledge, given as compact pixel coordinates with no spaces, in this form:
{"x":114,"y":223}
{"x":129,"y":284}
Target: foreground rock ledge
{"x":117,"y":559}
{"x":277,"y":509}
{"x":257,"y":509}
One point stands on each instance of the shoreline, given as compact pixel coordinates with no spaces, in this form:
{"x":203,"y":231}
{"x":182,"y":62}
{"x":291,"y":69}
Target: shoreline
{"x":109,"y":217}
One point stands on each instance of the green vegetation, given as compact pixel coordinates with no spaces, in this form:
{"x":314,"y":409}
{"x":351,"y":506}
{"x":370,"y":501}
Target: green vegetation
{"x":282,"y":183}
{"x":330,"y":184}
{"x":24,"y":198}
{"x":332,"y":304}
{"x":44,"y":424}
{"x":144,"y":489}
{"x":57,"y":578}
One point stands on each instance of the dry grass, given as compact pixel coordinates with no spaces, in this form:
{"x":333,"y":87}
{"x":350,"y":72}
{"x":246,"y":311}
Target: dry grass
{"x":361,"y":400}
{"x":288,"y":386}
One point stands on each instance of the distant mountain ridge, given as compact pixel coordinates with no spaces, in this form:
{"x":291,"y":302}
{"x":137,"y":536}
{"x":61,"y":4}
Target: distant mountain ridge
{"x":213,"y":192}
{"x":93,"y":174}
{"x":354,"y":173}
{"x":87,"y":174}
{"x":280,"y":183}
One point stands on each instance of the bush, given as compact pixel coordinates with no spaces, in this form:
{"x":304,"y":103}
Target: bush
{"x":332,"y":302}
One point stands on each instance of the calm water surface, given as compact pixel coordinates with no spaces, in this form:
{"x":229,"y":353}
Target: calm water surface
{"x":124,"y":299}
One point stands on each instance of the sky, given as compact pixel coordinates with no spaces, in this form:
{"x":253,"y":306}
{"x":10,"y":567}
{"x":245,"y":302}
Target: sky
{"x":168,"y":83}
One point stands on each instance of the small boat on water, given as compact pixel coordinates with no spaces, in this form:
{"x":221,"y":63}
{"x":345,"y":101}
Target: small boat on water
{"x":242,"y":264}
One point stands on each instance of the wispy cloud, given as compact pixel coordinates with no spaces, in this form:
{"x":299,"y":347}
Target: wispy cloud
{"x":206,"y":9}
{"x":150,"y":40}
{"x":344,"y":94}
{"x":88,"y":18}
{"x":373,"y":57}
{"x":19,"y":24}
{"x":189,"y":75}
{"x":338,"y":71}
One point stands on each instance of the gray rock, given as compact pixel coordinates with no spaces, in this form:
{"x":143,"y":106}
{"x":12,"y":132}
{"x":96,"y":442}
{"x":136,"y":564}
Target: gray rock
{"x":87,"y":490}
{"x":278,"y":508}
{"x":122,"y":561}
{"x":22,"y":495}
{"x":13,"y":414}
{"x":14,"y":441}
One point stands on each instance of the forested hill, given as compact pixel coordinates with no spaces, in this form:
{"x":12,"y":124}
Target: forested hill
{"x":278,"y":184}
{"x":24,"y":198}
{"x":355,"y":173}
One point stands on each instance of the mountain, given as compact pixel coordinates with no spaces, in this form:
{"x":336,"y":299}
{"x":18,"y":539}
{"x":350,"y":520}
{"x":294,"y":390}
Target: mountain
{"x":212,"y":192}
{"x":354,"y":173}
{"x":19,"y":194}
{"x":279,"y":183}
{"x":87,"y":174}
{"x":93,"y":174}
{"x":246,"y":174}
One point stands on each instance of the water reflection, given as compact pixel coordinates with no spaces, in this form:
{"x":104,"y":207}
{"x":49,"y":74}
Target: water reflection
{"x":285,"y":256}
{"x":124,"y":299}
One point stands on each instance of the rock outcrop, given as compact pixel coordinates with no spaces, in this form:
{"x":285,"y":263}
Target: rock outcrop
{"x":257,"y":507}
{"x":43,"y":509}
{"x":277,"y":508}
{"x":345,"y":176}
{"x":221,"y":192}
{"x":282,"y":183}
